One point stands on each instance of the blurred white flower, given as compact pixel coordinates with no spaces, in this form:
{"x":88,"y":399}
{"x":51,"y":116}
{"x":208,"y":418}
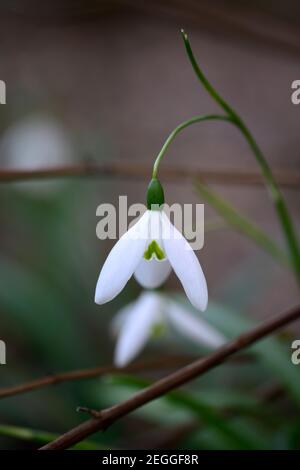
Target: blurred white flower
{"x":33,"y":143}
{"x":151,"y":313}
{"x":148,"y":250}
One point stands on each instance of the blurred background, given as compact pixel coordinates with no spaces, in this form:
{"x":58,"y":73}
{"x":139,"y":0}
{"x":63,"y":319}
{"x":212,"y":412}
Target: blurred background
{"x":106,"y":81}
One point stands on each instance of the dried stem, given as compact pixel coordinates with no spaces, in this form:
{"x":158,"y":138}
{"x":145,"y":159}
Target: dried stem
{"x":172,"y":381}
{"x":164,"y":362}
{"x":160,"y":363}
{"x":135,"y":170}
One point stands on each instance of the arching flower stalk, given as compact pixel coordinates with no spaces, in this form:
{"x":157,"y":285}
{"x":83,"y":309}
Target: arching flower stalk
{"x":150,"y":315}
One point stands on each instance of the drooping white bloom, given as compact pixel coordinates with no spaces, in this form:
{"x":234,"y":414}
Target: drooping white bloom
{"x":149,"y":250}
{"x":137,"y":322}
{"x":36,"y":142}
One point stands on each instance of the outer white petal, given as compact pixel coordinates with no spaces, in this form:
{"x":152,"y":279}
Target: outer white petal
{"x":122,"y":261}
{"x":120,"y":318}
{"x":153,"y":273}
{"x":195,"y":328}
{"x":136,"y":328}
{"x":185,"y":264}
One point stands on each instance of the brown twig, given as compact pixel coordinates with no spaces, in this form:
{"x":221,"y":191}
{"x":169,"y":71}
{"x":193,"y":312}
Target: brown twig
{"x":269,"y":393}
{"x":134,"y":170}
{"x":170,"y":382}
{"x":172,"y":438}
{"x":164,"y":362}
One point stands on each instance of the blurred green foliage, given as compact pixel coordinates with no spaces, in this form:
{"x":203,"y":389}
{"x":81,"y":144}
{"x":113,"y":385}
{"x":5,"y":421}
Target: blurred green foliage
{"x":49,"y":263}
{"x":49,"y":320}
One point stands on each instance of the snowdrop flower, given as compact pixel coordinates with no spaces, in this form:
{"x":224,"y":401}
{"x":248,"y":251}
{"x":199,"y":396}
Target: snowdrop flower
{"x":36,"y":142}
{"x":151,"y":312}
{"x":149,"y":250}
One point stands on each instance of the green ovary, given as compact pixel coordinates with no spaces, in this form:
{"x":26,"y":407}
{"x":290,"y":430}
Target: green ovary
{"x":154,"y":251}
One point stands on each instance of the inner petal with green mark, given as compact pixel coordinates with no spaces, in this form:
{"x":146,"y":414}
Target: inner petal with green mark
{"x":158,"y":329}
{"x":154,"y":251}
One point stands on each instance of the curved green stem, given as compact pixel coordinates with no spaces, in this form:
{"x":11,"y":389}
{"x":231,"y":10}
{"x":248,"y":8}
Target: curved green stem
{"x":275,"y":193}
{"x":278,"y":200}
{"x":214,"y":94}
{"x":183,"y":125}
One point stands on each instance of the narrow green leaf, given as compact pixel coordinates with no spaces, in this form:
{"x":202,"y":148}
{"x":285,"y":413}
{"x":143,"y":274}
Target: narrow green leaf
{"x":28,"y":434}
{"x":210,"y":417}
{"x":242,"y":223}
{"x":43,"y":316}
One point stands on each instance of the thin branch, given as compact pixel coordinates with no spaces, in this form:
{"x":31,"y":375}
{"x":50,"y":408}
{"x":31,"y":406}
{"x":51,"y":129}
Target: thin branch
{"x":269,"y":393}
{"x":155,"y":364}
{"x":164,"y":362}
{"x":171,"y":438}
{"x":136,"y":171}
{"x":171,"y":382}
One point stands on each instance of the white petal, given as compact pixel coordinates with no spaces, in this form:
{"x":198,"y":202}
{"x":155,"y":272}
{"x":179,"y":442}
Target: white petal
{"x":122,"y":261}
{"x":155,"y":225}
{"x":120,"y":317}
{"x":195,"y":328}
{"x":136,"y":328}
{"x":185,"y":264}
{"x":153,"y":273}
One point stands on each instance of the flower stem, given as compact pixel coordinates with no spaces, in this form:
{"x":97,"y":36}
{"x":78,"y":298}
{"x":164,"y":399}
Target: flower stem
{"x":183,"y":125}
{"x":274,"y":191}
